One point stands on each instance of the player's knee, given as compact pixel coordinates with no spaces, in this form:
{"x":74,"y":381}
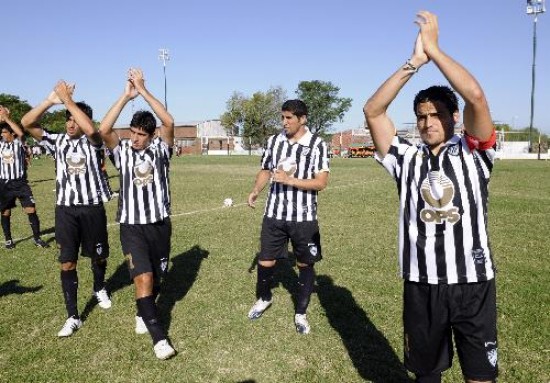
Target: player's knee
{"x":67,"y":266}
{"x":267,"y":263}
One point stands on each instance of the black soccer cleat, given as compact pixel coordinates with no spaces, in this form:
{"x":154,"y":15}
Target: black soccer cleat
{"x":10,"y":244}
{"x":39,"y":242}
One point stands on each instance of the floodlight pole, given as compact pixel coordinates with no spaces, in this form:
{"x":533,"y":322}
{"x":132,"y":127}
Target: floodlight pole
{"x":163,"y":55}
{"x":534,"y":7}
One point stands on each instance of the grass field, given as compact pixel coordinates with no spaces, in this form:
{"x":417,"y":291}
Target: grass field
{"x":355,"y":313}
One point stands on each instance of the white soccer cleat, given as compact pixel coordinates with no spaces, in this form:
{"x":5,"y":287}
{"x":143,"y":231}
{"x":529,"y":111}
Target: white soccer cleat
{"x":70,"y":326}
{"x":163,"y":350}
{"x":103,"y":299}
{"x":141,"y":328}
{"x":301,"y":323}
{"x":259,"y":307}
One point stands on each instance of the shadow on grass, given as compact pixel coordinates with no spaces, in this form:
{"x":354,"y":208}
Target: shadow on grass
{"x":50,"y":230}
{"x":13,"y":287}
{"x":179,"y":280}
{"x":371,"y":354}
{"x":284,"y":274}
{"x":117,"y":281}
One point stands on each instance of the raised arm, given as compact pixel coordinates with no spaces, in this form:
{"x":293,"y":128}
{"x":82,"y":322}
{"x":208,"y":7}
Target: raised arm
{"x":5,"y":117}
{"x":166,"y":119}
{"x":31,"y":120}
{"x":64,"y":92}
{"x":106,"y":130}
{"x":381,"y":126}
{"x":476,"y":117}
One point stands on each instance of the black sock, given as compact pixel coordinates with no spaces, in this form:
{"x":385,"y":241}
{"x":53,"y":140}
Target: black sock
{"x":147,"y":310}
{"x":69,"y":285}
{"x":6,"y":227}
{"x":35,"y":225}
{"x":306,"y":281}
{"x":264,"y":282}
{"x":99,"y":268}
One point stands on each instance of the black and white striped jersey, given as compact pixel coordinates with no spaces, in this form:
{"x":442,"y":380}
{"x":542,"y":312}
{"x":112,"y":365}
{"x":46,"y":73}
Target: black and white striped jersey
{"x":443,"y":236}
{"x":144,"y":182}
{"x":12,"y":160}
{"x":303,"y":160}
{"x":79,"y":178}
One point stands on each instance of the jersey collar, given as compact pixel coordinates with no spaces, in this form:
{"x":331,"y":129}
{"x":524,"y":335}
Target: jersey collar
{"x":454,"y":140}
{"x":305,"y":140}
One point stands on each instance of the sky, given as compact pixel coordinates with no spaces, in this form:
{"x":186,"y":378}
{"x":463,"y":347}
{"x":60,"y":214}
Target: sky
{"x":220,"y":47}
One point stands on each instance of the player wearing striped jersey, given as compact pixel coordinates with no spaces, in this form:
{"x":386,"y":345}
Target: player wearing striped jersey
{"x":444,"y":251}
{"x":144,"y":201}
{"x":295,"y":163}
{"x":13,"y":180}
{"x":81,"y":190}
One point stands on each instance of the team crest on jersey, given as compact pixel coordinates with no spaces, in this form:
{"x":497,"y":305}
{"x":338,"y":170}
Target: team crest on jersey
{"x":143,"y":173}
{"x":437,"y":191}
{"x":7,"y":156}
{"x":492,"y":353}
{"x":305,"y":152}
{"x":288,"y":165}
{"x":76,"y":164}
{"x":453,"y":150}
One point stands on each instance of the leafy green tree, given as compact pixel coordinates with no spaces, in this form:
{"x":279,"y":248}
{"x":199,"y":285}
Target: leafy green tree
{"x":17,"y":107}
{"x":53,"y":121}
{"x":324,"y":105}
{"x":256,"y":117}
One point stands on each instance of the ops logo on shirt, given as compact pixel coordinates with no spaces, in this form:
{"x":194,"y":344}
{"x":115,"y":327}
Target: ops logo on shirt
{"x":143,"y":173}
{"x":76,"y":164}
{"x":438,"y":201}
{"x":7,"y":156}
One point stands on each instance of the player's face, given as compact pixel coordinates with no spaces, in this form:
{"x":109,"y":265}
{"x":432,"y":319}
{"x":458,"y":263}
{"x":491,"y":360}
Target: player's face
{"x":140,"y":138}
{"x":7,"y":136}
{"x":292,"y":124}
{"x":72,"y":128}
{"x":435,"y":124}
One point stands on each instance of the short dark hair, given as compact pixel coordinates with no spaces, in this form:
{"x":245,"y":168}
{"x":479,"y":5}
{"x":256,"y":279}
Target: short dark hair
{"x":440,"y":93}
{"x":144,"y":120}
{"x":5,"y":125}
{"x":87,"y":109}
{"x":296,"y":107}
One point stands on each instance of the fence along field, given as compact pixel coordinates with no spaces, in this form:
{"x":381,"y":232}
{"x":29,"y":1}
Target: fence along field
{"x":355,"y":313}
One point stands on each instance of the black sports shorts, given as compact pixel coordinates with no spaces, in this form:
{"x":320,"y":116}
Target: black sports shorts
{"x":432,"y":314}
{"x":84,"y":226}
{"x":304,"y":237}
{"x":147,"y":247}
{"x":10,"y":190}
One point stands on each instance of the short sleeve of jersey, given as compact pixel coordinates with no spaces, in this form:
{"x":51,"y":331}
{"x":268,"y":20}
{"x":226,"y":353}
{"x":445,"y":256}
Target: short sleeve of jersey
{"x":267,"y":155}
{"x":115,"y":154}
{"x":49,"y":141}
{"x":321,"y":158}
{"x":393,"y":161}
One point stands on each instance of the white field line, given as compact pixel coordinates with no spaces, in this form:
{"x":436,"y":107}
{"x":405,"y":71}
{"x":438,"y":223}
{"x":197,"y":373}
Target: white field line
{"x":259,"y":203}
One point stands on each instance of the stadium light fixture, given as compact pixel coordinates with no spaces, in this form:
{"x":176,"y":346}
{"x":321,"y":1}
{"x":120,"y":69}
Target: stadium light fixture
{"x":534,"y":7}
{"x":164,"y":56}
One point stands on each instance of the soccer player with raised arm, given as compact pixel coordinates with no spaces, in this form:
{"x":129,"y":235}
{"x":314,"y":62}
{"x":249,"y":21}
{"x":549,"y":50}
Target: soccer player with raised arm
{"x":144,"y":202}
{"x":81,"y":190}
{"x":444,"y":251}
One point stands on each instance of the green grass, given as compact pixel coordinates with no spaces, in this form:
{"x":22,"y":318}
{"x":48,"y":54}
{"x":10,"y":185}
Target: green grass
{"x":355,"y":313}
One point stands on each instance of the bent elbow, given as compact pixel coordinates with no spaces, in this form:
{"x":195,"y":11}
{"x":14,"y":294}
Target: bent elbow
{"x":371,"y":110}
